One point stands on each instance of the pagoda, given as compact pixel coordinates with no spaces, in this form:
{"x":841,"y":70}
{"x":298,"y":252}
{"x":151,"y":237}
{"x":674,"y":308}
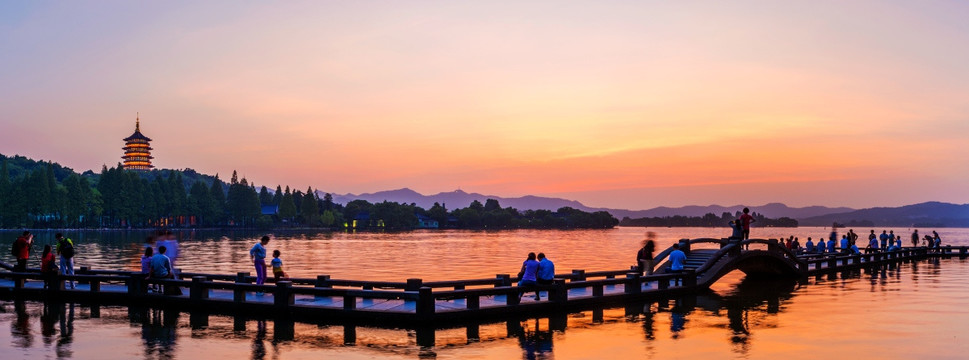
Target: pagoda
{"x":137,"y":152}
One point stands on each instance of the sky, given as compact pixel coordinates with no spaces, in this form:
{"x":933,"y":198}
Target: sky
{"x":620,"y":104}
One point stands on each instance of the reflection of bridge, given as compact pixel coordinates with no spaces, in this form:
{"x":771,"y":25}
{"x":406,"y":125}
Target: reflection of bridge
{"x":418,"y":303}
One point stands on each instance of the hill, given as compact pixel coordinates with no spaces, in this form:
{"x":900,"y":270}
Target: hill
{"x":927,"y":214}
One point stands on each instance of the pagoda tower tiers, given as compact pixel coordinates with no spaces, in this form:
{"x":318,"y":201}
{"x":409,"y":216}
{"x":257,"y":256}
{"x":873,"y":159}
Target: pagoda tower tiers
{"x":137,"y":152}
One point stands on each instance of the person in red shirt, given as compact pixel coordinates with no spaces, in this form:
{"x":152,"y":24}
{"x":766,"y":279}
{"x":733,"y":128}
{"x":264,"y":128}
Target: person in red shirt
{"x":48,"y":265}
{"x":746,"y":219}
{"x":22,"y":250}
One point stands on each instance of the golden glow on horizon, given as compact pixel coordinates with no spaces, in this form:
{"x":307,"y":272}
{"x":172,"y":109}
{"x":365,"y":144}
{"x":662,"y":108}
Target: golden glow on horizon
{"x":736,"y":102}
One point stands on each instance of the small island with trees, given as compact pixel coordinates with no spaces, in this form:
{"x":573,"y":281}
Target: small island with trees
{"x":36,"y":194}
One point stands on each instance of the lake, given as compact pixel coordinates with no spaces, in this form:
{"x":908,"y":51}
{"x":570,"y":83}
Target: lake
{"x":912,"y":310}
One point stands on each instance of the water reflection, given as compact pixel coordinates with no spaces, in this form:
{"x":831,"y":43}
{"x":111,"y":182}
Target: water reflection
{"x":56,"y":326}
{"x":159,"y":332}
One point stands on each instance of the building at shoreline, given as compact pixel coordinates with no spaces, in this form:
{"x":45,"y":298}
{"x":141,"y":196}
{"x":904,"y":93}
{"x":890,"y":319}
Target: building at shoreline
{"x":137,"y":151}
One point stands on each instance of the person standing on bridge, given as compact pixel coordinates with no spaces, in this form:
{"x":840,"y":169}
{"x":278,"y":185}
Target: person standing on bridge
{"x":21,"y":250}
{"x":258,"y":255}
{"x":65,"y":248}
{"x":915,"y":238}
{"x":884,"y":239}
{"x":746,"y":219}
{"x":645,"y":255}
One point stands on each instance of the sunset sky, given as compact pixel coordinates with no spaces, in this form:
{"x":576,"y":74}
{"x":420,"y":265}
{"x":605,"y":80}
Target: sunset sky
{"x":625,"y":104}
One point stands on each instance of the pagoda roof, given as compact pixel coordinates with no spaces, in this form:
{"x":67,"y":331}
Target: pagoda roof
{"x":137,"y":136}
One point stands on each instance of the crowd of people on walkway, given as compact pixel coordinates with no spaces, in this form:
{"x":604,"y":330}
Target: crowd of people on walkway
{"x":848,"y":242}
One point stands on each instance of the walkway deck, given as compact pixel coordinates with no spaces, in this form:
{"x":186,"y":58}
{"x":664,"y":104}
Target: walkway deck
{"x":419,"y":303}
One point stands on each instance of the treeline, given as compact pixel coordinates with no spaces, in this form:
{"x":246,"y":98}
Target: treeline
{"x":118,"y":198}
{"x":708,"y":220}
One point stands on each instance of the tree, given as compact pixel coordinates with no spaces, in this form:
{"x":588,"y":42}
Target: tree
{"x":491,"y":205}
{"x":278,"y":195}
{"x":287,"y":207}
{"x":309,"y":212}
{"x":217,"y":193}
{"x":264,"y":197}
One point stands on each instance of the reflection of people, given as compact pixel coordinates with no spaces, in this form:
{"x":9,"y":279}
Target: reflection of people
{"x":745,"y":220}
{"x":158,"y":332}
{"x":645,"y":255}
{"x":258,"y":255}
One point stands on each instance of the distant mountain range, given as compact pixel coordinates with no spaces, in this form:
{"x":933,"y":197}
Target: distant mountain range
{"x":928,"y":214}
{"x":459,"y":199}
{"x":935,"y":214}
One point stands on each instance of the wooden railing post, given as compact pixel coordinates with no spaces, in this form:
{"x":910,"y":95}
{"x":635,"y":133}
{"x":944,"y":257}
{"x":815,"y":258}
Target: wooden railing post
{"x":349,"y":302}
{"x":323,"y":281}
{"x":474,"y":302}
{"x":283,"y":297}
{"x":136,"y":284}
{"x":425,"y":303}
{"x":502,"y":280}
{"x":597,"y":290}
{"x":239,"y":295}
{"x":633,"y":285}
{"x":558,"y":293}
{"x":578,"y":275}
{"x":689,"y":278}
{"x":84,"y":270}
{"x":198,"y":291}
{"x":511,"y":298}
{"x":414,"y":284}
{"x":95,"y":285}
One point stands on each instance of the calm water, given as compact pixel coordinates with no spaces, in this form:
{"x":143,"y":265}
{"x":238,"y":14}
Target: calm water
{"x":914,"y":310}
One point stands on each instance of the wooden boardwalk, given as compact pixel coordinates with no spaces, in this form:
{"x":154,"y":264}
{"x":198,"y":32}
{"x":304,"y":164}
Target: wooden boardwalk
{"x":416,"y":303}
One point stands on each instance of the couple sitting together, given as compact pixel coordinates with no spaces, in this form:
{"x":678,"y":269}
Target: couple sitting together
{"x":536,"y":272}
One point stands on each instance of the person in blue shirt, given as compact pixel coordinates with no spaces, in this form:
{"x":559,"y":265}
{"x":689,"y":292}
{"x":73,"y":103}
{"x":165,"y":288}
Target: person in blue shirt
{"x":809,"y":246}
{"x":258,"y":255}
{"x":845,"y":244}
{"x":884,"y":239}
{"x":677,"y":258}
{"x":546,"y":272}
{"x":160,"y":266}
{"x":831,"y":245}
{"x":821,"y":246}
{"x":854,"y":249}
{"x":528,"y":276}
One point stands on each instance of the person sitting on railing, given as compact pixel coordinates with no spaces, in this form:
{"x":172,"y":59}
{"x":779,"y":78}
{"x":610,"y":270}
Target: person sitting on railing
{"x":677,"y":258}
{"x":528,"y":275}
{"x":845,"y":244}
{"x":738,"y":230}
{"x":809,"y":246}
{"x":831,"y":247}
{"x":820,"y":248}
{"x":160,"y":266}
{"x":853,"y":249}
{"x":872,"y":244}
{"x":796,"y":246}
{"x":546,"y":273}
